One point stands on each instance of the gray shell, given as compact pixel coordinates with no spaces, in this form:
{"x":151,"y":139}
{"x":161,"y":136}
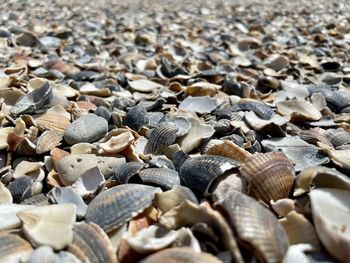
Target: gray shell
{"x":162,"y":177}
{"x":124,"y":172}
{"x":136,"y":118}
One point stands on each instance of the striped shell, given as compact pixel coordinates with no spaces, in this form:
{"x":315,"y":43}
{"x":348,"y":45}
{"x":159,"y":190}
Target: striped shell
{"x":163,"y":134}
{"x":162,"y":177}
{"x":48,"y":140}
{"x":113,"y":207}
{"x":136,"y":118}
{"x":270,"y":176}
{"x":262,"y":110}
{"x":256,"y":226}
{"x":91,"y":244}
{"x":52,"y":122}
{"x":124,"y":172}
{"x":14,"y":248}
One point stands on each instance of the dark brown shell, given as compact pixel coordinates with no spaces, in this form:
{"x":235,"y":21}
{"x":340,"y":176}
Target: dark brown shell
{"x":270,"y":176}
{"x":115,"y":206}
{"x":91,"y":244}
{"x":256,"y":227}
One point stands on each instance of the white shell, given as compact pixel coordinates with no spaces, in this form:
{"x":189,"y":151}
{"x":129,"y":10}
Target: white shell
{"x":8,"y":215}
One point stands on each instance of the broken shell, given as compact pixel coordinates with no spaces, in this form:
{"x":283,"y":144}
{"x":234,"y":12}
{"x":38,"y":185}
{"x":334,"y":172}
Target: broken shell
{"x":144,"y":85}
{"x":5,"y":195}
{"x":13,"y":248}
{"x":269,"y":176}
{"x":180,"y":255}
{"x":8,"y":215}
{"x":231,"y":183}
{"x":136,"y":118}
{"x":89,"y":182}
{"x":91,"y":244}
{"x":300,"y":110}
{"x":256,"y":226}
{"x":23,"y":187}
{"x":46,"y":254}
{"x":282,"y":206}
{"x":162,"y":177}
{"x":49,"y":225}
{"x":120,"y":139}
{"x":124,"y":172}
{"x":4,"y":132}
{"x":34,"y":101}
{"x":129,"y":199}
{"x":181,"y":123}
{"x":200,"y":104}
{"x":330,"y":212}
{"x":261,"y":109}
{"x":199,"y":172}
{"x":25,"y":168}
{"x":230,"y":150}
{"x":52,"y":122}
{"x":48,"y":140}
{"x":163,"y":134}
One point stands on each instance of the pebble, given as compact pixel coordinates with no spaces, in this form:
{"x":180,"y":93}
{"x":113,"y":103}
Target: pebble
{"x":88,"y":128}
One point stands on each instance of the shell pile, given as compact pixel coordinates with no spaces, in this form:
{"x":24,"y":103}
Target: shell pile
{"x":174,"y":131}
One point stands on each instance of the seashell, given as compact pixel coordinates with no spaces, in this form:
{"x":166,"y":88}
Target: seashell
{"x":36,"y":200}
{"x":10,"y":95}
{"x":154,"y":118}
{"x":182,"y":124}
{"x":269,"y":176}
{"x":173,"y":197}
{"x":198,"y":173}
{"x":160,"y":161}
{"x":144,"y":85}
{"x":55,"y":122}
{"x":276,"y":63}
{"x":202,"y":89}
{"x":56,"y":155}
{"x":22,"y":188}
{"x":313,"y":136}
{"x":339,"y":157}
{"x":46,"y":254}
{"x":48,"y":140}
{"x":129,"y":199}
{"x":200,"y":104}
{"x":331,"y":66}
{"x":13,"y":248}
{"x":299,"y":253}
{"x":180,"y":255}
{"x":163,"y":134}
{"x":224,"y":187}
{"x":66,"y":195}
{"x":4,"y":132}
{"x":267,"y":83}
{"x":188,"y":214}
{"x":34,"y":101}
{"x":124,"y":172}
{"x":303,"y":154}
{"x":5,"y":195}
{"x":260,"y":109}
{"x":25,"y":147}
{"x":338,"y":136}
{"x":271,"y":126}
{"x":91,"y":244}
{"x":330,"y":213}
{"x":299,"y":110}
{"x":8,"y":215}
{"x":299,"y":230}
{"x":136,"y":118}
{"x":163,"y":177}
{"x":89,"y":182}
{"x":49,"y":225}
{"x":120,"y":139}
{"x":26,"y":168}
{"x":230,"y":150}
{"x":152,"y":238}
{"x":282,"y":206}
{"x":198,"y":132}
{"x":256,"y":227}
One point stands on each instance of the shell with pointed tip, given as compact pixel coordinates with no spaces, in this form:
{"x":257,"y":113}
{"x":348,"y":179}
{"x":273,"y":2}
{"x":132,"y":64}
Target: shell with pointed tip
{"x":13,"y":248}
{"x":115,"y":206}
{"x":199,"y":172}
{"x":91,"y":244}
{"x":256,"y":227}
{"x":269,"y":176}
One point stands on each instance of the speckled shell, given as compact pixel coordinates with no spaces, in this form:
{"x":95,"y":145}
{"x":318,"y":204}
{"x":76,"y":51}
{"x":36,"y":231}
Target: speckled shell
{"x":180,"y":255}
{"x":52,"y":122}
{"x":48,"y":140}
{"x":91,"y":244}
{"x":256,"y":227}
{"x":163,"y":177}
{"x":199,"y":172}
{"x":14,"y":247}
{"x":163,"y":134}
{"x":270,"y":176}
{"x":113,"y":207}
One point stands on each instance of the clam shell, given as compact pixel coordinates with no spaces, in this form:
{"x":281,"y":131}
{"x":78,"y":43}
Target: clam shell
{"x":163,"y":134}
{"x":52,"y":122}
{"x":180,"y":255}
{"x":91,"y":244}
{"x":269,"y":176}
{"x":271,"y":126}
{"x":144,"y":85}
{"x":330,"y":212}
{"x":230,"y":150}
{"x":49,"y":225}
{"x":34,"y":101}
{"x":136,"y":118}
{"x":125,"y":171}
{"x":199,"y":172}
{"x":256,"y":226}
{"x":48,"y":140}
{"x":200,"y":104}
{"x":162,"y":177}
{"x":13,"y":248}
{"x":182,"y":124}
{"x":113,"y":207}
{"x":299,"y":109}
{"x":338,"y":137}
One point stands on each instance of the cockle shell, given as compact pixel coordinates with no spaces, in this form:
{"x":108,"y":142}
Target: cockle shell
{"x":13,"y":248}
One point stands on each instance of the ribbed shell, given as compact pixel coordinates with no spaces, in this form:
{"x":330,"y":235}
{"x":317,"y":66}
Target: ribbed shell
{"x":124,"y":172}
{"x":256,"y":226}
{"x":164,"y":133}
{"x":52,"y":122}
{"x":262,"y":110}
{"x":163,"y":177}
{"x":338,"y":137}
{"x":136,"y":118}
{"x":270,"y":176}
{"x":199,"y":172}
{"x":37,"y":200}
{"x":48,"y":140}
{"x":14,"y":246}
{"x":115,"y":206}
{"x":91,"y":244}
{"x":180,"y":255}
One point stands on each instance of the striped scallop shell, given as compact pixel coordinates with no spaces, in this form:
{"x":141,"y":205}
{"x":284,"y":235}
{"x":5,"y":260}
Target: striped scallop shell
{"x":48,"y":140}
{"x":270,"y":176}
{"x":52,"y":122}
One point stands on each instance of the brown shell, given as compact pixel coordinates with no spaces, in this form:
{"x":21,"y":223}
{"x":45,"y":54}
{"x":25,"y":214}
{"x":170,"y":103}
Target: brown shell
{"x":52,"y":122}
{"x":270,"y":176}
{"x":91,"y":244}
{"x":13,"y":246}
{"x":48,"y":140}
